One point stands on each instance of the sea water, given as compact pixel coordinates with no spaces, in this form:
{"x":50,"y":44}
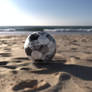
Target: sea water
{"x":52,"y":30}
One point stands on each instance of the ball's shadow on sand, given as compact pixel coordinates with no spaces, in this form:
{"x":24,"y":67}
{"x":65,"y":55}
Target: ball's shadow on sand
{"x":82,"y":72}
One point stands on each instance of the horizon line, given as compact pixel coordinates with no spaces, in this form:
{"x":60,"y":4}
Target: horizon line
{"x":43,"y":25}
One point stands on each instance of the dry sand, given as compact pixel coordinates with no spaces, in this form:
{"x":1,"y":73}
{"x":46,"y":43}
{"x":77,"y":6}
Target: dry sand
{"x":71,"y":70}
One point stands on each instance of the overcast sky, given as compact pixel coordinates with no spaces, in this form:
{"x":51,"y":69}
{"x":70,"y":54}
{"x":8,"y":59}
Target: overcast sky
{"x":45,"y":12}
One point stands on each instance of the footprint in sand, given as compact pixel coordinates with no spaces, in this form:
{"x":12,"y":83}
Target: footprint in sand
{"x":25,"y":68}
{"x":3,"y":63}
{"x":21,"y":58}
{"x":4,"y":68}
{"x":20,"y":61}
{"x":64,"y":77}
{"x":31,"y":85}
{"x":10,"y":67}
{"x":89,"y":60}
{"x":68,"y":85}
{"x":17,"y":61}
{"x":5,"y":54}
{"x":87,"y":52}
{"x":14,"y":71}
{"x":74,"y":49}
{"x":65,"y":84}
{"x":7,"y":49}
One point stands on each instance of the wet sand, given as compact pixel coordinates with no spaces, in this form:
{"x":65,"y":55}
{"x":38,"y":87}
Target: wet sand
{"x":70,"y":70}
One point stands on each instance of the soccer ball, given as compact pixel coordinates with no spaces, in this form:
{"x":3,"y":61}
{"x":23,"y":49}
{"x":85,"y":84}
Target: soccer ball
{"x":40,"y":46}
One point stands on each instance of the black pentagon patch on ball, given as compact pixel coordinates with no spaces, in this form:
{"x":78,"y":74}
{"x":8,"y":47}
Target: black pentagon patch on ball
{"x":34,"y":37}
{"x":28,"y":51}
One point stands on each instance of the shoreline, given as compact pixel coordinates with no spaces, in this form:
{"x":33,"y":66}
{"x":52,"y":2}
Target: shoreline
{"x":53,"y":33}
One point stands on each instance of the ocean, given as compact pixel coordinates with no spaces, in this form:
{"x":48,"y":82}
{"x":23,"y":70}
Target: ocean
{"x":12,"y":30}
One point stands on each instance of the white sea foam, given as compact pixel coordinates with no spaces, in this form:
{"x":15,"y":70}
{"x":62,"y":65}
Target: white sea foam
{"x":68,"y":30}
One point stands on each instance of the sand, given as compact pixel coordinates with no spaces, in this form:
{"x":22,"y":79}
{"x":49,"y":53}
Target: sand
{"x":71,"y":70}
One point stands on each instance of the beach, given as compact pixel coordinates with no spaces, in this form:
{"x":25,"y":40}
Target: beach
{"x":70,"y":70}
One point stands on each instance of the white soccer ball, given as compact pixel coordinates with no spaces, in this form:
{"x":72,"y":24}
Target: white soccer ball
{"x":40,"y":46}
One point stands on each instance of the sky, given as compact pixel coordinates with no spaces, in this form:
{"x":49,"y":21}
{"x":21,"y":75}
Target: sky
{"x":45,"y":12}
